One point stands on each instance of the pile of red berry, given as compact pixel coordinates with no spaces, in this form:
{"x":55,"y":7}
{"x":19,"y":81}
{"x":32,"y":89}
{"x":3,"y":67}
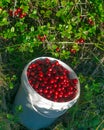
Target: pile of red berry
{"x":51,"y":80}
{"x":17,"y":13}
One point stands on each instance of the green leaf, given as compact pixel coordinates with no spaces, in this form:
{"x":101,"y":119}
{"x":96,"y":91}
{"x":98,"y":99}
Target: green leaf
{"x":56,"y":55}
{"x":87,"y":87}
{"x":11,"y":86}
{"x":59,"y":13}
{"x":54,"y":46}
{"x":25,"y":8}
{"x":34,"y":12}
{"x":19,"y":108}
{"x":10,"y":117}
{"x":32,"y":28}
{"x":48,"y":13}
{"x":8,"y":1}
{"x":10,"y":49}
{"x":12,"y":29}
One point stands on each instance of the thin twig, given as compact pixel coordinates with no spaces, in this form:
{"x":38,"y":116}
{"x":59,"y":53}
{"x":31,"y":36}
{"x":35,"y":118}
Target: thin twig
{"x":96,"y":69}
{"x":15,"y":3}
{"x":100,"y":125}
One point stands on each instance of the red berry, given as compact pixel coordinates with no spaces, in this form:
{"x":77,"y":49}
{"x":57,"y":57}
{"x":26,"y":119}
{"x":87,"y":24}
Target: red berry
{"x":57,"y":77}
{"x":32,"y":73}
{"x":19,"y":10}
{"x":72,"y":51}
{"x":24,"y":14}
{"x":56,"y":63}
{"x":41,"y":74}
{"x":10,"y":12}
{"x":15,"y":13}
{"x":42,"y":38}
{"x":50,"y":69}
{"x":81,"y":17}
{"x":74,"y":81}
{"x":47,"y":60}
{"x":36,"y":85}
{"x":48,"y":74}
{"x":80,"y":41}
{"x":51,"y":91}
{"x":21,"y":16}
{"x":40,"y":90}
{"x":45,"y":91}
{"x":62,"y":77}
{"x":57,"y":49}
{"x":48,"y":96}
{"x":90,"y":22}
{"x":52,"y":81}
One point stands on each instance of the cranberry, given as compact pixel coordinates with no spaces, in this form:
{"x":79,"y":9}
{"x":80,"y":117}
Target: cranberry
{"x":32,"y":73}
{"x":56,"y":63}
{"x":57,"y":49}
{"x":24,"y":14}
{"x":21,"y":16}
{"x":74,"y":81}
{"x":50,"y":69}
{"x":42,"y":38}
{"x":55,"y":86}
{"x":10,"y":12}
{"x":52,"y":81}
{"x":48,"y":96}
{"x":80,"y":41}
{"x":72,"y":51}
{"x":15,"y":13}
{"x":45,"y":91}
{"x":19,"y":10}
{"x":90,"y":22}
{"x":81,"y":17}
{"x":36,"y":85}
{"x":41,"y":74}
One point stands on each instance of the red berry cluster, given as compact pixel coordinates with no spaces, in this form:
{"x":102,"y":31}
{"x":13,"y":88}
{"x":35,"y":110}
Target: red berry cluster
{"x":17,"y":13}
{"x":80,"y":41}
{"x":42,"y":38}
{"x":51,"y":80}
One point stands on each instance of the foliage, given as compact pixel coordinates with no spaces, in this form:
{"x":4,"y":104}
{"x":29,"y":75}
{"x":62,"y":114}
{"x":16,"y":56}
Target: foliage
{"x":72,"y":31}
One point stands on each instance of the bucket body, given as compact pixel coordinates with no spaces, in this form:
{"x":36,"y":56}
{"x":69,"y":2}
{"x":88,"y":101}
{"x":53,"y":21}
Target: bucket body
{"x":39,"y":112}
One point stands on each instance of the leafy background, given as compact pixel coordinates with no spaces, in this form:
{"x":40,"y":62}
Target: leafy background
{"x":54,"y":28}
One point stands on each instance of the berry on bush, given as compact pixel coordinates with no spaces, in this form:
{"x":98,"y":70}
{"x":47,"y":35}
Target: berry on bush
{"x":80,"y":41}
{"x":90,"y":22}
{"x":51,"y":80}
{"x":17,"y":13}
{"x":72,"y":51}
{"x":42,"y":38}
{"x":57,"y":49}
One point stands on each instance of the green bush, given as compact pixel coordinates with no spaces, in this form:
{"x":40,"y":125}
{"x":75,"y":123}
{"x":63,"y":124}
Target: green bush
{"x":72,"y":31}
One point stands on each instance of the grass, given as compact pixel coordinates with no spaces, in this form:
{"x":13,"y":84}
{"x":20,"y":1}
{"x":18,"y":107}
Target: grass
{"x":87,"y":113}
{"x":19,"y":45}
